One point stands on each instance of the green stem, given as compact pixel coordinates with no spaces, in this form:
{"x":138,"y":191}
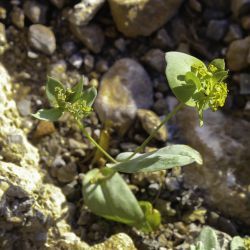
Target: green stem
{"x":84,"y":131}
{"x":151,"y":136}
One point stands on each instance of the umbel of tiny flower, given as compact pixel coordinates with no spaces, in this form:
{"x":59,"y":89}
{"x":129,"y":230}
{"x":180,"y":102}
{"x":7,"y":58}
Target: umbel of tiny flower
{"x":73,"y":100}
{"x":196,"y":84}
{"x":211,"y":90}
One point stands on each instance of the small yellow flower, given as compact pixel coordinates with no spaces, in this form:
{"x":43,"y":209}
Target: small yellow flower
{"x":78,"y":109}
{"x":212,"y":88}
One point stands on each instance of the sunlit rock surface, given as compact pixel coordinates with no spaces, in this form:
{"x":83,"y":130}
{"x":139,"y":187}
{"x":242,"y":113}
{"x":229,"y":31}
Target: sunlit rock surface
{"x":224,"y":144}
{"x":142,"y":17}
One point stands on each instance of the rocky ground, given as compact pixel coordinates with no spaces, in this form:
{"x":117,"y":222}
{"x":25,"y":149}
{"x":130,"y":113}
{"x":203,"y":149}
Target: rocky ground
{"x":120,"y":48}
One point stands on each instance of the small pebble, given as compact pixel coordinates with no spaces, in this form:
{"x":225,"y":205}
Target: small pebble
{"x":24,"y":107}
{"x":44,"y":128}
{"x":153,"y":189}
{"x":217,"y":29}
{"x":88,"y":62}
{"x":17,"y":17}
{"x":35,"y":11}
{"x":42,"y":38}
{"x":76,"y":60}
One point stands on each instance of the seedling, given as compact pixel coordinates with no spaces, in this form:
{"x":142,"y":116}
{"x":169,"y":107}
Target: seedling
{"x":208,"y":240}
{"x":104,"y":190}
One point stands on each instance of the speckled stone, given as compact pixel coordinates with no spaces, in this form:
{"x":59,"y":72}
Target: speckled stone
{"x":42,"y":38}
{"x":119,"y":241}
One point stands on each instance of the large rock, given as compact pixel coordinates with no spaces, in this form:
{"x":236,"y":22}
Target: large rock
{"x":238,"y":57}
{"x":224,"y":144}
{"x":142,"y":17}
{"x":124,"y":88}
{"x":31,"y":211}
{"x":14,"y":146}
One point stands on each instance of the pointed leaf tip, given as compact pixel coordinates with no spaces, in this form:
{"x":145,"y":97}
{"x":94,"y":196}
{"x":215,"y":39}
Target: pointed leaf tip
{"x":48,"y":114}
{"x":51,"y":86}
{"x":164,"y":158}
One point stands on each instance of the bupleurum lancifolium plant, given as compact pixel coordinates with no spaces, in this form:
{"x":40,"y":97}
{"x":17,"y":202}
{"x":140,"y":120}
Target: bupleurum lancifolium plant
{"x":104,"y":191}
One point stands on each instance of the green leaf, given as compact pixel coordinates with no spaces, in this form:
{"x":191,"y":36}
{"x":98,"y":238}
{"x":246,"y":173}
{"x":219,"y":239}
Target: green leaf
{"x":237,"y":243}
{"x":89,"y":96}
{"x":164,"y":158}
{"x":220,"y":75}
{"x":48,"y":114}
{"x":209,"y":239}
{"x":152,"y":217}
{"x":77,"y":92}
{"x":51,"y":85}
{"x":192,"y":79}
{"x":219,"y":64}
{"x":111,"y":198}
{"x":178,"y":64}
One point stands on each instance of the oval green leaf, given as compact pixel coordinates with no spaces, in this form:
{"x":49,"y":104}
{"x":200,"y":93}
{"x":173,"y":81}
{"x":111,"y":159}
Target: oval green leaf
{"x":48,"y":114}
{"x":89,"y":96}
{"x":164,"y":158}
{"x":76,"y":92}
{"x":51,"y":85}
{"x":178,"y":64}
{"x":111,"y":198}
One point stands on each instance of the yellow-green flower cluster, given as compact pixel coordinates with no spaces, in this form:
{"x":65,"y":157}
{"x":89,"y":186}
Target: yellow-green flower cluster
{"x":78,"y":109}
{"x":211,"y":90}
{"x":212,"y":85}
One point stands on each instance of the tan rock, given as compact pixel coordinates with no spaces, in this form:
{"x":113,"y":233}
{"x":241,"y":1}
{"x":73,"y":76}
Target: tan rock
{"x":44,"y":128}
{"x":237,"y":56}
{"x":142,"y":17}
{"x":91,"y":36}
{"x":119,"y":241}
{"x":40,"y":207}
{"x":150,"y":121}
{"x":42,"y":39}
